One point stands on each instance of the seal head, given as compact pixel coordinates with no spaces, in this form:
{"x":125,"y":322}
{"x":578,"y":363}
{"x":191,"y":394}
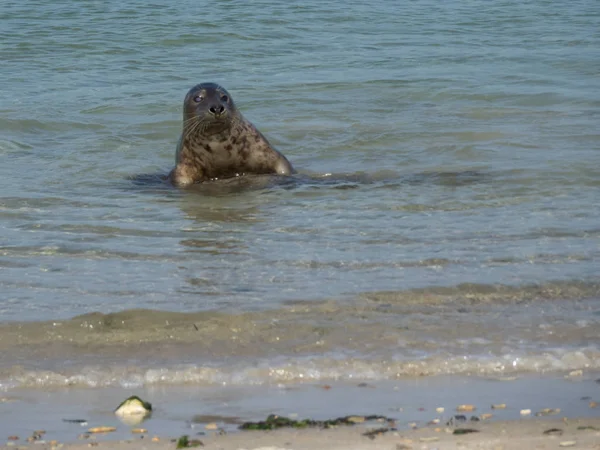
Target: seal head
{"x":218,"y":142}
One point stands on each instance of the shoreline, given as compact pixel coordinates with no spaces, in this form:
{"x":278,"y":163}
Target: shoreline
{"x":424,"y":412}
{"x":538,"y":433}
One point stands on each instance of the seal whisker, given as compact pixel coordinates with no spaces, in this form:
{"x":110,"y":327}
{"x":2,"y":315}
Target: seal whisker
{"x":218,"y":142}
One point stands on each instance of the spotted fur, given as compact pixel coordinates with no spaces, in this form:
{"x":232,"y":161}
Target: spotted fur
{"x":218,"y":142}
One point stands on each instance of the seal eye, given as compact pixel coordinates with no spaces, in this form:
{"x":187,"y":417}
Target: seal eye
{"x":198,"y":98}
{"x":224,"y":98}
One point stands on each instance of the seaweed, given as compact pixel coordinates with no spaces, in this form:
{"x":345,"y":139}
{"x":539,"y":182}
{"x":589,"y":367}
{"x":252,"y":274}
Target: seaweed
{"x":372,"y":434}
{"x":465,"y":431}
{"x":274,"y":421}
{"x":588,"y":427}
{"x":184,"y":442}
{"x":553,"y":431}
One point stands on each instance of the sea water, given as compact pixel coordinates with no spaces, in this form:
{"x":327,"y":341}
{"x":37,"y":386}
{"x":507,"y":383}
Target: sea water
{"x":445,"y":217}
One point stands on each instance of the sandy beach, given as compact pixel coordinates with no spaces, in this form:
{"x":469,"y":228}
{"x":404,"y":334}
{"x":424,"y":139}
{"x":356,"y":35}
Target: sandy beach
{"x":505,"y":435}
{"x":528,"y":412}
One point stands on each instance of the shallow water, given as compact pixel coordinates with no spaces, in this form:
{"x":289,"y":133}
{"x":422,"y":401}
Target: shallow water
{"x":178,"y":410}
{"x":444,"y":218}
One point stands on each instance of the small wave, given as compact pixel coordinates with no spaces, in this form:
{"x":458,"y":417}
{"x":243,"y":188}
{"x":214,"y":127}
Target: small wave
{"x":298,"y":371}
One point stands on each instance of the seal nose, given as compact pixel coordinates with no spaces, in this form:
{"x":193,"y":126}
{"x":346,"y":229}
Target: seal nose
{"x":216,"y":109}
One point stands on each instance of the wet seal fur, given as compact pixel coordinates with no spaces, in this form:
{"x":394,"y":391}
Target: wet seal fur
{"x":218,"y":142}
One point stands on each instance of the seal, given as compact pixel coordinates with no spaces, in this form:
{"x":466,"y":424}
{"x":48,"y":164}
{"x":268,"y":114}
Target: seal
{"x":218,"y":142}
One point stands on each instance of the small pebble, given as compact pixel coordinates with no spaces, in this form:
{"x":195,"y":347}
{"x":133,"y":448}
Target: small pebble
{"x":548,"y":412}
{"x":139,"y":430}
{"x":101,"y":429}
{"x":457,"y":418}
{"x":155,"y":439}
{"x":593,"y":404}
{"x":525,"y":412}
{"x":486,"y":416}
{"x":211,"y":426}
{"x":575,"y":373}
{"x":463,"y":408}
{"x":567,"y":443}
{"x":439,"y":410}
{"x":356,"y":419}
{"x":499,"y":406}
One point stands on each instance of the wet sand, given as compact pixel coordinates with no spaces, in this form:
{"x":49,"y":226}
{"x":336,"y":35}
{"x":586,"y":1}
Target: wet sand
{"x":425,"y":412}
{"x":520,"y":434}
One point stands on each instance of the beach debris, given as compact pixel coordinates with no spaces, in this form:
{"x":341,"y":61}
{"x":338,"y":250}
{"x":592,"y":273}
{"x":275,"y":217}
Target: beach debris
{"x":274,"y":421}
{"x":36,"y":436}
{"x":574,"y":373}
{"x":84,"y":436}
{"x":133,"y":406}
{"x":433,"y":422}
{"x":465,"y":431}
{"x":82,"y":422}
{"x":456,"y":419}
{"x":439,"y":410}
{"x":553,"y":432}
{"x":429,"y":439}
{"x":486,"y":416}
{"x":499,"y":406}
{"x":356,"y":419}
{"x":525,"y":412}
{"x":155,"y":439}
{"x":588,"y":427}
{"x":547,"y":412}
{"x":101,"y":429}
{"x":372,"y":434}
{"x":211,"y":426}
{"x":13,"y":438}
{"x":139,"y":430}
{"x":567,"y":444}
{"x":593,"y":404}
{"x":465,"y":408}
{"x":185,"y":442}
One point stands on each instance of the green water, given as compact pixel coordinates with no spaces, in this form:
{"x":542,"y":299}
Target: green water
{"x":439,"y":145}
